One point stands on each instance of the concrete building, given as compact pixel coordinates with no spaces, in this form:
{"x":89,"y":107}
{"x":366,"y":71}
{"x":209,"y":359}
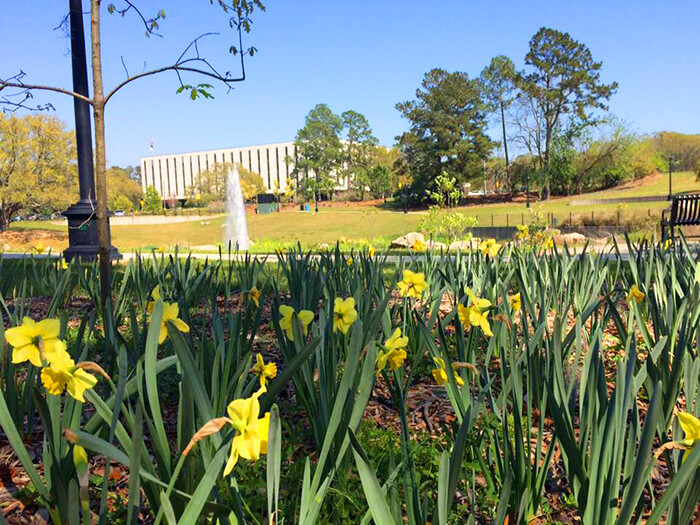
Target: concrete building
{"x":173,"y":175}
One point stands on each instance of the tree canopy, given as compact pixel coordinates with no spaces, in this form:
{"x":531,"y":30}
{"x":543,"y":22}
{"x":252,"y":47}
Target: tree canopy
{"x":447,"y":129}
{"x":37,"y":169}
{"x":561,"y":87}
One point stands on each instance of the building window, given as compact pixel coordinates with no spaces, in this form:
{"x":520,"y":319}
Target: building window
{"x":259,"y":170}
{"x":160,"y":176}
{"x":191,"y":171}
{"x":167,"y":176}
{"x":277,"y":161}
{"x":184,"y":182}
{"x":250,"y":160}
{"x":269,"y":181}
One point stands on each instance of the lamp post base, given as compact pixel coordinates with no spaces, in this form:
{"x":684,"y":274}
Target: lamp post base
{"x":82,"y":233}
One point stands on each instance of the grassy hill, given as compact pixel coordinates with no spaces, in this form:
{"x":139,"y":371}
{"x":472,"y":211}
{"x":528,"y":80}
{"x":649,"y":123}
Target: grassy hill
{"x":372,"y":224}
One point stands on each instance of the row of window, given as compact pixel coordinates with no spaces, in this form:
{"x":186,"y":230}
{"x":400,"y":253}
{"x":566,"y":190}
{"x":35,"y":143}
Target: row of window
{"x":172,"y":176}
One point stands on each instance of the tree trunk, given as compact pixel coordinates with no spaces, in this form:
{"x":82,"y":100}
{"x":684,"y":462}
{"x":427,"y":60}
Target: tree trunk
{"x":100,"y":160}
{"x":505,"y":147}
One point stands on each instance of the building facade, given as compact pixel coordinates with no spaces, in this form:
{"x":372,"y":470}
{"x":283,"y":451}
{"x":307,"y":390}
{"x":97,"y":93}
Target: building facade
{"x":173,"y":175}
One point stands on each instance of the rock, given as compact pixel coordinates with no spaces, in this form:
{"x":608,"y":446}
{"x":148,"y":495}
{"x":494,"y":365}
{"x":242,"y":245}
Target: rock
{"x":408,"y":240}
{"x":570,"y":238}
{"x":460,"y":246}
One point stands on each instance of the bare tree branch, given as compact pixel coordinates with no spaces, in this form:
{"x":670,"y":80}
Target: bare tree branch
{"x":187,"y":65}
{"x":16,"y":82}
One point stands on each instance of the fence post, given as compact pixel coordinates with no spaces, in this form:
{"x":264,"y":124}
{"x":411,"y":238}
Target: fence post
{"x":507,"y":219}
{"x":571,"y":220}
{"x":522,"y":219}
{"x":618,"y":217}
{"x":492,"y":219}
{"x":592,"y":218}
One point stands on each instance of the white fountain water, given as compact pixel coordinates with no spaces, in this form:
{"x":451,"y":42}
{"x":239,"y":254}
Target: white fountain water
{"x":236,"y":225}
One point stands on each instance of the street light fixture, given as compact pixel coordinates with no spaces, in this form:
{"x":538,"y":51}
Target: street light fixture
{"x":82,"y":219}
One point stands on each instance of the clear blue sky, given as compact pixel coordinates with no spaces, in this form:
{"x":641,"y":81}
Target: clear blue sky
{"x":362,"y":55}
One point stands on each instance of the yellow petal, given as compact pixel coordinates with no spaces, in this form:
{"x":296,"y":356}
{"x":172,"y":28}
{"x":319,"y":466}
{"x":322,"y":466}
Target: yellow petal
{"x":18,"y":337}
{"x":49,"y":328}
{"x":232,"y":460}
{"x":690,"y":425}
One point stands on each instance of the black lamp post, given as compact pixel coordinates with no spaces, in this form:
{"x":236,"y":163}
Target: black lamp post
{"x":82,"y":225}
{"x":670,"y":177}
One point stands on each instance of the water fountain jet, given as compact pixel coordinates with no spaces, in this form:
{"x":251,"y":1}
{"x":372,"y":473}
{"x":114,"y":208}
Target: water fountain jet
{"x":236,"y":225}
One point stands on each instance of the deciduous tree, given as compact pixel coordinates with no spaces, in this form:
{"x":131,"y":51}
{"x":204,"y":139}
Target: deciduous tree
{"x":37,"y":169}
{"x":498,"y":79}
{"x":562,"y":81}
{"x":319,"y":151}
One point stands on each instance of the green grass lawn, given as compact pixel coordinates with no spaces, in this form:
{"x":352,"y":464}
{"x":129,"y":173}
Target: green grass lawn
{"x":374,"y":225}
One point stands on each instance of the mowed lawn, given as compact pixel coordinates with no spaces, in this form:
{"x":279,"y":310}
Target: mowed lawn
{"x":374,"y":225}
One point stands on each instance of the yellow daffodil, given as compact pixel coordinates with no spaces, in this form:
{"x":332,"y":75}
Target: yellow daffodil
{"x":548,"y":244}
{"x":350,"y":261}
{"x":155,"y":295}
{"x":691,"y":428}
{"x":691,"y":435}
{"x":393,"y":353}
{"x":286,"y":315}
{"x":254,"y":296}
{"x":370,"y":252}
{"x":412,"y":285}
{"x":34,"y":342}
{"x":344,"y":314}
{"x":160,"y":249}
{"x":64,"y":264}
{"x":38,"y":248}
{"x":265,"y":371}
{"x":668,"y":244}
{"x":440,"y":373}
{"x":515,"y":302}
{"x":171,"y":311}
{"x":489,"y":247}
{"x":251,"y":431}
{"x":478,"y":313}
{"x":635,"y":294}
{"x":279,"y":252}
{"x":523,"y":231}
{"x":419,"y":246}
{"x":64,"y":374}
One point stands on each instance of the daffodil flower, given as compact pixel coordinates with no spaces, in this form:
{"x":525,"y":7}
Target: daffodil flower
{"x":477,"y":314}
{"x":265,"y":371}
{"x":489,"y":247}
{"x":371,"y":253}
{"x":64,"y":374}
{"x":171,"y":311}
{"x":251,"y":431}
{"x":254,"y":296}
{"x":393,"y":352}
{"x":548,"y":244}
{"x":419,"y":246}
{"x":412,"y":285}
{"x":344,"y":314}
{"x":635,"y":295}
{"x":350,"y":261}
{"x":691,"y":430}
{"x":155,"y":295}
{"x":286,"y":315}
{"x":34,"y":342}
{"x":515,"y":302}
{"x":523,"y":231}
{"x":440,"y":373}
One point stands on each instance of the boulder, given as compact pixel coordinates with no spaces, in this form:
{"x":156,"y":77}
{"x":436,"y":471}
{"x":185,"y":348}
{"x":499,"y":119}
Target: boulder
{"x":408,"y":240}
{"x":570,"y":238}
